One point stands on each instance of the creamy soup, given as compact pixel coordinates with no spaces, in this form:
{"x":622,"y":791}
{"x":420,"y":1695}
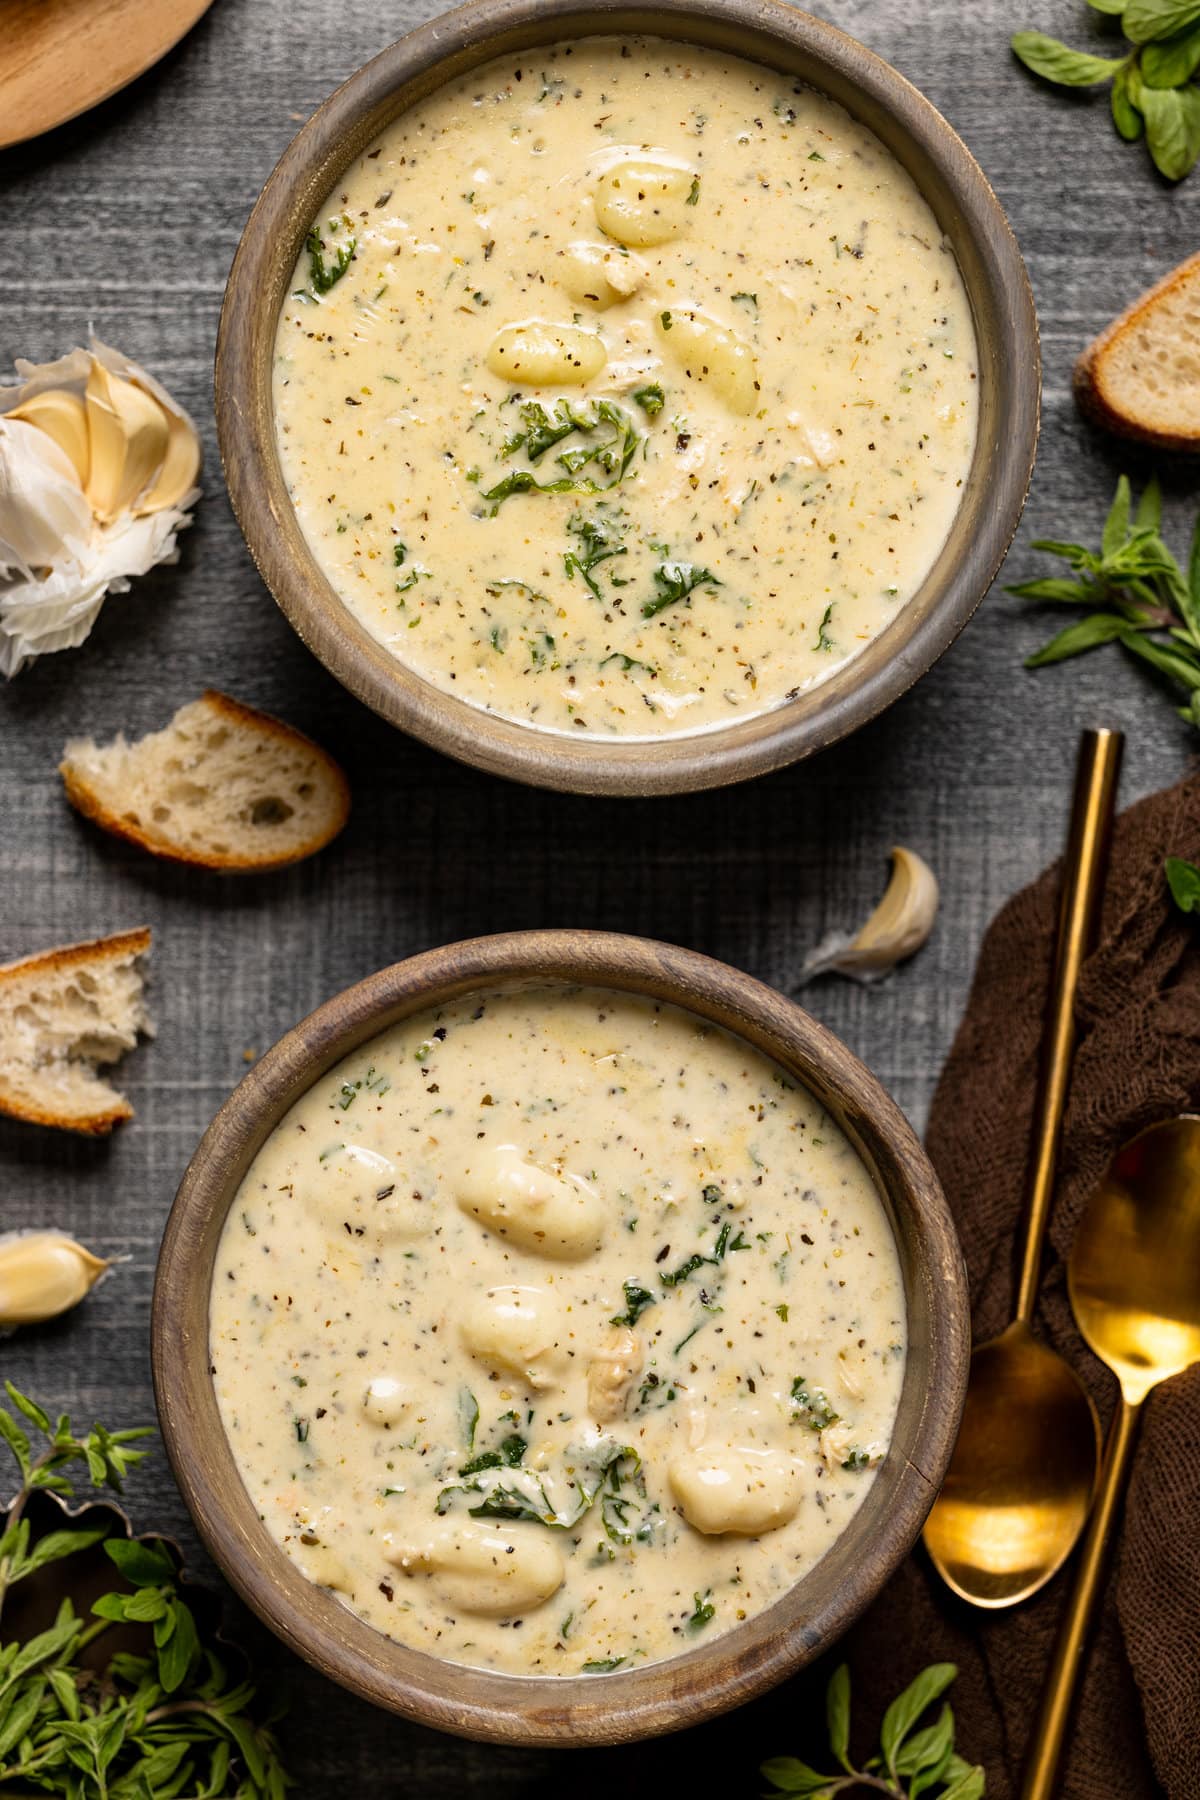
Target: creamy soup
{"x":557,"y":1332}
{"x":626,"y":389}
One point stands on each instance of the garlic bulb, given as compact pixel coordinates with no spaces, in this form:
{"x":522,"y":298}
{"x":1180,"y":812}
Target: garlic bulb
{"x":42,"y":1274}
{"x":897,"y":928}
{"x":98,"y":469}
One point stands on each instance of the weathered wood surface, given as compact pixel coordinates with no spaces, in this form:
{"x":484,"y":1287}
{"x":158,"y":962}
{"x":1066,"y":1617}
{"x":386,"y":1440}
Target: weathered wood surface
{"x":127,"y":220}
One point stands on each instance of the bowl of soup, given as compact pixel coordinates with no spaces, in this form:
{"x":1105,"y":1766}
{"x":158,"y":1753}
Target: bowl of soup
{"x":628,"y":399}
{"x":559,"y":1338}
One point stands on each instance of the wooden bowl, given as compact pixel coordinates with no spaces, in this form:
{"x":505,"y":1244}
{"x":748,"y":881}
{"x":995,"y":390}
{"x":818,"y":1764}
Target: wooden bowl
{"x":568,"y":1710}
{"x":764,"y":31}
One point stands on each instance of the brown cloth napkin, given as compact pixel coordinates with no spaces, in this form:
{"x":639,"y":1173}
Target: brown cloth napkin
{"x":1137,"y":1730}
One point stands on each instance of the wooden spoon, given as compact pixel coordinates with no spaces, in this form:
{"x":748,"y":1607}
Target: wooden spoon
{"x":62,"y":59}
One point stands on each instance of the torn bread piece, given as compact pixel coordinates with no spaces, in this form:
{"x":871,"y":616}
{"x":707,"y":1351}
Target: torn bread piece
{"x":64,"y":1015}
{"x":1141,"y":376}
{"x":223,"y":786}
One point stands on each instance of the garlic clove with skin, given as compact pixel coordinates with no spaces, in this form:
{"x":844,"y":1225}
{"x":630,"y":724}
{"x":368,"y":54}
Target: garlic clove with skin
{"x":128,"y":435}
{"x":180,"y":467}
{"x":42,"y":506}
{"x":98,"y":472}
{"x":63,"y":417}
{"x":43,"y":1274}
{"x":896,"y":930}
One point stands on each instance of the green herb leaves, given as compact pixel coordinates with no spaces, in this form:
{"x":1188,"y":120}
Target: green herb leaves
{"x":324,"y":275}
{"x":637,"y":1299}
{"x":675,"y":581}
{"x":609,"y":441}
{"x":1136,"y":593}
{"x":598,"y":543}
{"x":909,"y":1762}
{"x":150,"y":1726}
{"x":812,"y":1405}
{"x":1153,"y":92}
{"x":650,"y":398}
{"x":1065,"y":67}
{"x":1183,"y":879}
{"x":1148,"y":21}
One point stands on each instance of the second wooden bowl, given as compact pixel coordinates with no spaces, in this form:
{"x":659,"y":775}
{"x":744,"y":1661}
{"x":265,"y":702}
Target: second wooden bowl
{"x":571,"y":1710}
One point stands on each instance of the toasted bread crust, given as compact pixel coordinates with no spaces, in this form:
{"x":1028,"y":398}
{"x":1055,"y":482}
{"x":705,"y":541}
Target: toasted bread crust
{"x":15,"y":1105}
{"x":86,"y":801}
{"x":1091,"y":391}
{"x":69,"y":956}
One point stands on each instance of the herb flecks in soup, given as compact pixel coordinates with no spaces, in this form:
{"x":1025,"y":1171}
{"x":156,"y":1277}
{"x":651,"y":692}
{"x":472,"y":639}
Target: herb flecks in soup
{"x":557,"y":1331}
{"x":626,"y":390}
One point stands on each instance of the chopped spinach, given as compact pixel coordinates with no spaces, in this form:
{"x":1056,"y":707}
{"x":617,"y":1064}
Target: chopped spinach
{"x":323,"y":275}
{"x":650,"y":398}
{"x":597,"y":544}
{"x":637,"y":1299}
{"x":676,"y":581}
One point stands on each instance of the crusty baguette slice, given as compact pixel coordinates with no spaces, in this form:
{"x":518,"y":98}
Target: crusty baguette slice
{"x":223,"y":786}
{"x":1141,"y":377}
{"x":64,"y":1014}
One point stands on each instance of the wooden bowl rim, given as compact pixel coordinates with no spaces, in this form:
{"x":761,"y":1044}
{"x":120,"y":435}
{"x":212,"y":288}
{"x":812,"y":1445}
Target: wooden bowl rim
{"x":994,"y":494}
{"x":567,"y":1710}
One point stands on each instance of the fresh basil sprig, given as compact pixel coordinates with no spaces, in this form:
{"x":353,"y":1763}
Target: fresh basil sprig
{"x":908,"y":1762}
{"x":1183,"y":879}
{"x":1136,"y":593}
{"x":1153,"y":93}
{"x":152,"y":1727}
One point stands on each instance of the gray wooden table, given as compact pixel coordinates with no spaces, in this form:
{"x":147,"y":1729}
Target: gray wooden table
{"x":127,"y":221}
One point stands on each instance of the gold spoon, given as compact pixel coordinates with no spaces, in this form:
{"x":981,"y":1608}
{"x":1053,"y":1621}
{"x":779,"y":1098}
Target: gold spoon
{"x":1020,"y":1482}
{"x":1134,"y":1281}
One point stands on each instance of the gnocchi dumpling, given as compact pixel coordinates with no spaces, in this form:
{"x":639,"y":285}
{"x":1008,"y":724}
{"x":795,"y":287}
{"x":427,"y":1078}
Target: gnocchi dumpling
{"x":645,"y":201}
{"x":538,"y":354}
{"x":597,"y":275}
{"x":365,"y":1190}
{"x":520,"y":1330}
{"x":387,"y":1401}
{"x":733,"y":1489}
{"x":482,"y":1569}
{"x":612,"y":1372}
{"x":711,"y":353}
{"x":325,"y":1568}
{"x":558,"y":1216}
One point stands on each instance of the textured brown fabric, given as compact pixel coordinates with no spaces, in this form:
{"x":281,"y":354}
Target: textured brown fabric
{"x":1138,"y":1060}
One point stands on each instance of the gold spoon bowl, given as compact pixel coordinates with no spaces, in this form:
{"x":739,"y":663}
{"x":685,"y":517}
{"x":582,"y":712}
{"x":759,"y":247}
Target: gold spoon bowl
{"x":1020,"y":1482}
{"x":1134,"y":1281}
{"x":1017,"y":1494}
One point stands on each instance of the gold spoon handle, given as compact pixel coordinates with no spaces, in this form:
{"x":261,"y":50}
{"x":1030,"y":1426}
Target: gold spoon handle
{"x":1079,"y":911}
{"x":1041,"y":1769}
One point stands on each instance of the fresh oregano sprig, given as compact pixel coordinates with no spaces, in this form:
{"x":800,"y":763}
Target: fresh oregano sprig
{"x":108,"y":1461}
{"x":171,"y":1723}
{"x":908,"y":1763}
{"x":1153,"y":91}
{"x":1135,"y":592}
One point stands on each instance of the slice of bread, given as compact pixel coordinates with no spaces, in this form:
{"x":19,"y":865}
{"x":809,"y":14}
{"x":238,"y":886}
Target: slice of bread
{"x":223,"y":786}
{"x":64,"y":1014}
{"x":1141,"y":377}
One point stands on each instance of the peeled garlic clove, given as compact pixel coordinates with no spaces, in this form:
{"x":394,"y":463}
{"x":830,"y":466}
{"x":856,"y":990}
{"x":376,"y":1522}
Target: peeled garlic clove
{"x":63,"y":417}
{"x":128,"y":435}
{"x":181,"y":466}
{"x":43,"y":1274}
{"x":897,"y":928}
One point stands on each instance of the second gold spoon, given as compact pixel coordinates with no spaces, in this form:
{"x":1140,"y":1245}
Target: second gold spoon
{"x":1020,"y":1482}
